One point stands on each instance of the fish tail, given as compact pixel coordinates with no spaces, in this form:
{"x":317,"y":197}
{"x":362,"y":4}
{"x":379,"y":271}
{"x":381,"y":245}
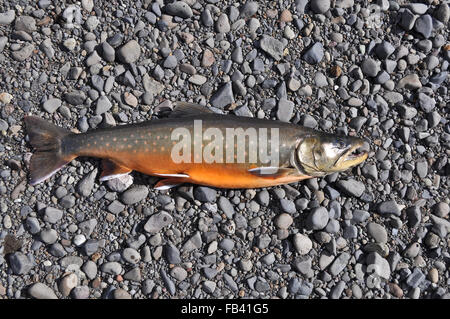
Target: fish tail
{"x":48,"y":141}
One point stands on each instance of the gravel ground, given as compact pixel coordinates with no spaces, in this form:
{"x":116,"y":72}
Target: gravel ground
{"x":376,"y":69}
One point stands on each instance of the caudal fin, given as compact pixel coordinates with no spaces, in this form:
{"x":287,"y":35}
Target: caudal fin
{"x":46,"y":139}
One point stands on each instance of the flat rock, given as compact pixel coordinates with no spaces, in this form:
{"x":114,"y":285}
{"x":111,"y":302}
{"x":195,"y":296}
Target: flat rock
{"x":351,"y":187}
{"x":158,"y":221}
{"x":51,"y":105}
{"x":41,"y":291}
{"x":410,"y":82}
{"x":7,"y":17}
{"x":134,"y":195}
{"x":179,"y":8}
{"x":272,"y":47}
{"x":24,"y":53}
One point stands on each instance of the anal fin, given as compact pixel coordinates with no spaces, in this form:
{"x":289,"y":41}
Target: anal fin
{"x":112,"y":170}
{"x":168,"y":183}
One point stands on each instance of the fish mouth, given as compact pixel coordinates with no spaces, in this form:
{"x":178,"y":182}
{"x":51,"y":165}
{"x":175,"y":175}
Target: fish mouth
{"x":355,"y":155}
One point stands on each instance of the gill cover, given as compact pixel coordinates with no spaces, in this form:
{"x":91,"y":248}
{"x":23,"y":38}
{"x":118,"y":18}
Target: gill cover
{"x":322,"y":154}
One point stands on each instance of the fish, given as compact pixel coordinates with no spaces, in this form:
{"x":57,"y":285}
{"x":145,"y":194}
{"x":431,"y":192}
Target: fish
{"x":195,"y":145}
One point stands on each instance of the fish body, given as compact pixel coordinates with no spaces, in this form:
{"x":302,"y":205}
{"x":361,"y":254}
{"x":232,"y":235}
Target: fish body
{"x":192,"y":146}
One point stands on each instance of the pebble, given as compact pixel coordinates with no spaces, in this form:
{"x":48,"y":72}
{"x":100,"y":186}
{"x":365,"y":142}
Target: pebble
{"x":20,"y":264}
{"x":108,"y":52}
{"x":5,"y":98}
{"x":377,"y":232}
{"x":314,"y":54}
{"x":222,"y":24}
{"x":67,"y":284}
{"x":415,"y":278}
{"x":130,"y":255}
{"x":158,"y":221}
{"x":41,"y":291}
{"x":285,"y":110}
{"x":370,"y":67}
{"x":424,"y":25}
{"x":129,"y":52}
{"x":410,"y":82}
{"x":441,"y":209}
{"x":134,"y":195}
{"x":351,"y":187}
{"x":389,"y":207}
{"x":120,"y":293}
{"x":81,"y":292}
{"x":302,"y":244}
{"x":339,"y":263}
{"x":24,"y":53}
{"x":179,"y":8}
{"x":112,"y":268}
{"x":249,"y":9}
{"x":52,"y":215}
{"x":426,"y":103}
{"x":320,"y":6}
{"x":223,"y":96}
{"x":48,"y":236}
{"x":317,"y":219}
{"x":7,"y":17}
{"x":272,"y":47}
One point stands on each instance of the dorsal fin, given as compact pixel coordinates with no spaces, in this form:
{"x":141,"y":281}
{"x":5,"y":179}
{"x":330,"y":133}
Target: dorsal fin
{"x":183,"y":109}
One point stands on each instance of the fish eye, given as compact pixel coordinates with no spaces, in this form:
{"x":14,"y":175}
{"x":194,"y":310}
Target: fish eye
{"x":339,"y":143}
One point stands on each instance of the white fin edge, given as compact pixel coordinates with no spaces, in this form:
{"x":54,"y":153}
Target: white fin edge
{"x":166,"y":187}
{"x":172,"y":175}
{"x":40,"y":180}
{"x":109,"y":177}
{"x":269,"y":170}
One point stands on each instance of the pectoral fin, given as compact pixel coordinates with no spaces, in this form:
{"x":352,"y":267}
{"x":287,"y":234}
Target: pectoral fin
{"x":112,"y":170}
{"x":272,"y":172}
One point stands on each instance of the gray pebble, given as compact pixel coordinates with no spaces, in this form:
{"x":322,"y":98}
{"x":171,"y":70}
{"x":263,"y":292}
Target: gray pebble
{"x":52,"y":215}
{"x":320,"y":6}
{"x":205,"y":194}
{"x":172,"y":254}
{"x":377,"y":232}
{"x":48,"y":236}
{"x":7,"y":17}
{"x":223,"y":96}
{"x":352,"y":187}
{"x":285,"y":110}
{"x":389,"y":207}
{"x":314,"y":54}
{"x":158,"y":221}
{"x":134,"y":195}
{"x":111,"y":268}
{"x":339,"y":263}
{"x":424,"y":25}
{"x":370,"y":67}
{"x":41,"y":291}
{"x":129,"y":52}
{"x":317,"y":219}
{"x":179,"y":8}
{"x":20,"y":264}
{"x":272,"y":47}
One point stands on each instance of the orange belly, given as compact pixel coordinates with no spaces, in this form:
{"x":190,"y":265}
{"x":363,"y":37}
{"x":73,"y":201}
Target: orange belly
{"x":220,"y":175}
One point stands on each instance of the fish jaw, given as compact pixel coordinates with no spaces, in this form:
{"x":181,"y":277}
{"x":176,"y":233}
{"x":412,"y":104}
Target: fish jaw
{"x":352,"y":157}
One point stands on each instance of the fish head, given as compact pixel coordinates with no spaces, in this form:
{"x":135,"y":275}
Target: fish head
{"x":323,"y":154}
